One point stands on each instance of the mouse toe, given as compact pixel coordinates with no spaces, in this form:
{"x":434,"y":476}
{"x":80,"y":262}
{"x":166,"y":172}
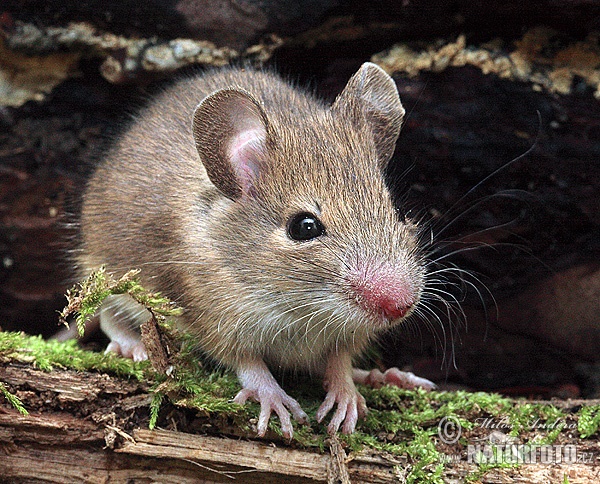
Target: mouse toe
{"x":392,"y":376}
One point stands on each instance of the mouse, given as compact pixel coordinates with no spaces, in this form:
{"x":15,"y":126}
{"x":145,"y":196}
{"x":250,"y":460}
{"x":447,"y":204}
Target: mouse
{"x":263,"y":212}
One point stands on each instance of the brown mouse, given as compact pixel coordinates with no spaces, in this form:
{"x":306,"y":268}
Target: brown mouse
{"x":263,"y":212}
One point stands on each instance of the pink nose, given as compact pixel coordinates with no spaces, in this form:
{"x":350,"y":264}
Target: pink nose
{"x":392,"y":309}
{"x":386,"y":291}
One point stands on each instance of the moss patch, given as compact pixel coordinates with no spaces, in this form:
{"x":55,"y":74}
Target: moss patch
{"x":47,"y":355}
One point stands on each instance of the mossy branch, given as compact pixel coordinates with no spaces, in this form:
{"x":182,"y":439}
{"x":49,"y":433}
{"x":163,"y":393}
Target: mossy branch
{"x":13,"y":399}
{"x":85,"y":298}
{"x":178,"y":372}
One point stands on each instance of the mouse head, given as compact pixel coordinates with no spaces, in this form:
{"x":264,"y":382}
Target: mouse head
{"x":309,"y":222}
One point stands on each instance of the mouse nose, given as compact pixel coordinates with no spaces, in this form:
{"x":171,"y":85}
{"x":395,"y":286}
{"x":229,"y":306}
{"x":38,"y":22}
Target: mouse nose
{"x":387,"y":291}
{"x":393,"y":309}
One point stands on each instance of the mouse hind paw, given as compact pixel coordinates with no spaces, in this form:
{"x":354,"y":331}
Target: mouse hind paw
{"x":120,"y":319}
{"x":392,"y":376}
{"x":134,"y":349}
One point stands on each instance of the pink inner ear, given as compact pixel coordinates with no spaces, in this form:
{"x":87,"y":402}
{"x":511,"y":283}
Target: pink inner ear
{"x":245,"y":151}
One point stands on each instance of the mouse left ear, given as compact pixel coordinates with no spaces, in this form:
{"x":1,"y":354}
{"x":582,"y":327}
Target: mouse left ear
{"x":371,"y":94}
{"x":230,"y":131}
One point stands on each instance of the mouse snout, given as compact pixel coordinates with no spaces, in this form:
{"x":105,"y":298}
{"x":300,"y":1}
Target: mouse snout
{"x":386,"y":291}
{"x":392,"y":308}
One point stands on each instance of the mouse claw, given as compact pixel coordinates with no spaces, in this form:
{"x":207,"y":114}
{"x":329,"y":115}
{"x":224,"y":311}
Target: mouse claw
{"x":392,"y":376}
{"x":273,"y":399}
{"x":351,"y":406}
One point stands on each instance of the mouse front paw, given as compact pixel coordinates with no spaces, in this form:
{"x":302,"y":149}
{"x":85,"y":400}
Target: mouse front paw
{"x":351,"y":406}
{"x":272,"y":398}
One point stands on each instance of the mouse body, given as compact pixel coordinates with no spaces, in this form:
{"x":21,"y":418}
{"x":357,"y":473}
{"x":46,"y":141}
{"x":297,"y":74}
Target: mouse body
{"x":263,"y":212}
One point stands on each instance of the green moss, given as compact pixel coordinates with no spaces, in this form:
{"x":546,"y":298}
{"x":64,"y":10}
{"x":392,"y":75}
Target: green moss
{"x":588,"y":420}
{"x":192,"y":385}
{"x":13,"y":399}
{"x":534,"y":416}
{"x":155,"y":404}
{"x":85,"y":298}
{"x":47,"y":355}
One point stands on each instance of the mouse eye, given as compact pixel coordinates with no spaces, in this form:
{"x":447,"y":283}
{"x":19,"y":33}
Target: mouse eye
{"x":305,"y":226}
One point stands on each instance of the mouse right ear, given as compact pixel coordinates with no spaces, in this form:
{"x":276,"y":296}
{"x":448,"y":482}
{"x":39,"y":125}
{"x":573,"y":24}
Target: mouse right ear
{"x":230,"y":131}
{"x":371,"y":94}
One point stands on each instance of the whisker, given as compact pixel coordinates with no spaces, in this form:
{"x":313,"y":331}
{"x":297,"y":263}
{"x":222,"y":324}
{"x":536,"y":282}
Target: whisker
{"x":509,"y":194}
{"x":501,"y":168}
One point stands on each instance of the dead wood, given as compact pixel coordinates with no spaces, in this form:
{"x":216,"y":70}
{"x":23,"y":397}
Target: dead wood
{"x":87,"y":427}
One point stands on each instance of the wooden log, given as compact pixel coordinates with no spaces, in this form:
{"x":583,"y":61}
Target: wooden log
{"x":90,"y":428}
{"x":59,"y":448}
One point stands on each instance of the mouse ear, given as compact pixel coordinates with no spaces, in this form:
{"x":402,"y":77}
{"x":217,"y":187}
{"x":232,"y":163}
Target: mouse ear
{"x":230,"y":131}
{"x":371,"y":94}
